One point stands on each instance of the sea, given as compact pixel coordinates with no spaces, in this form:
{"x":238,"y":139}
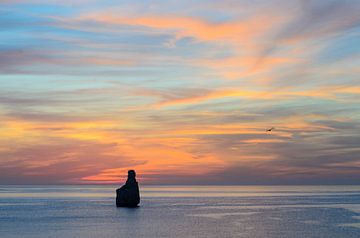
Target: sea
{"x":181,"y":211}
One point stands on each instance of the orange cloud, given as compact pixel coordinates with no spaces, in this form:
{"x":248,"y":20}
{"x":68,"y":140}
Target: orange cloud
{"x":160,"y":159}
{"x":243,"y":35}
{"x":242,"y":66}
{"x":244,"y":29}
{"x":251,"y":94}
{"x":285,"y":93}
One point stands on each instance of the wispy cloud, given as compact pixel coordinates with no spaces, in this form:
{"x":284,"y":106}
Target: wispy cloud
{"x":91,"y":89}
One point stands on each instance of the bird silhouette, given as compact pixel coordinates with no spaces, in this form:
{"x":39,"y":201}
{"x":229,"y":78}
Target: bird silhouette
{"x":271,"y":129}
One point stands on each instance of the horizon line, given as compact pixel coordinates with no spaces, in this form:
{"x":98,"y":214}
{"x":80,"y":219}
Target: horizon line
{"x":217,"y":185}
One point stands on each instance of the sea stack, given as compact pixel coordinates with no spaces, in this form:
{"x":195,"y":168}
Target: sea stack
{"x":128,"y":195}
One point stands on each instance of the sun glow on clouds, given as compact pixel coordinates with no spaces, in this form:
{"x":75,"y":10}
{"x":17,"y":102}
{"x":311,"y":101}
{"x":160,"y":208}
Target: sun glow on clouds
{"x":92,"y":90}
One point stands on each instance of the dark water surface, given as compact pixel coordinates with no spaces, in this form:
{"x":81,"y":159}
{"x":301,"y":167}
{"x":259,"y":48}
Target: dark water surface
{"x":181,"y":211}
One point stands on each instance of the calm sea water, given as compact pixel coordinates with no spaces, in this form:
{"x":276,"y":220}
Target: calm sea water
{"x":181,"y":211}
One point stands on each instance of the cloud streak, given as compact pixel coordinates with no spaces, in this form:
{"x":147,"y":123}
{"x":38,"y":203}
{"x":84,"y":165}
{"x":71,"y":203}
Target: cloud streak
{"x":90,"y":91}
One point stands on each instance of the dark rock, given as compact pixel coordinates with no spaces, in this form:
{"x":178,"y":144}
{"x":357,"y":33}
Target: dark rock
{"x":128,"y":195}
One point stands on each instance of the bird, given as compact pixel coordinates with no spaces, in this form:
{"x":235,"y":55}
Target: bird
{"x":271,"y":129}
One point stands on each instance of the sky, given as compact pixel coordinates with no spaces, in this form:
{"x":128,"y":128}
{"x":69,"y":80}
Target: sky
{"x":181,"y":91}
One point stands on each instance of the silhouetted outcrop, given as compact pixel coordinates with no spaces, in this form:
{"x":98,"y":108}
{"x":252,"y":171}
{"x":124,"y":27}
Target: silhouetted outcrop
{"x":128,"y":195}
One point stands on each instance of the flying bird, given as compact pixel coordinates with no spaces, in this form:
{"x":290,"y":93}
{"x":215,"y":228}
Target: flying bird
{"x":271,"y":129}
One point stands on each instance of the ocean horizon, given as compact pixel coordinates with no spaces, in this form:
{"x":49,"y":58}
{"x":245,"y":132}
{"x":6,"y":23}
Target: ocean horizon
{"x":181,"y":211}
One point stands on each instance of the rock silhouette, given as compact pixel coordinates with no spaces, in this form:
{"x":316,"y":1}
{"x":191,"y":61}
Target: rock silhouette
{"x":128,"y":195}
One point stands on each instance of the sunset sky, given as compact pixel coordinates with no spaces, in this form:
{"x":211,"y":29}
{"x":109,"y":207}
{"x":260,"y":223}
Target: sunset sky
{"x":180,"y":91}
